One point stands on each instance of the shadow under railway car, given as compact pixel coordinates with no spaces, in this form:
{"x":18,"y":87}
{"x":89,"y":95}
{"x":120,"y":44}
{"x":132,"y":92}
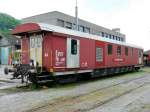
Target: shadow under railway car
{"x":49,"y":52}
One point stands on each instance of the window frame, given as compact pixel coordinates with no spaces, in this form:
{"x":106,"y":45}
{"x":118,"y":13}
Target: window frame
{"x":99,"y":54}
{"x":74,"y":49}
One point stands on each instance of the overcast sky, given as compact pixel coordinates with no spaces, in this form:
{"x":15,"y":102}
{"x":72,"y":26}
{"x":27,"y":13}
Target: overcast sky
{"x":132,"y":16}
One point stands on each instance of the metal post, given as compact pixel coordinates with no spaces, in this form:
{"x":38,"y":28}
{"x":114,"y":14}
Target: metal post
{"x":76,"y":14}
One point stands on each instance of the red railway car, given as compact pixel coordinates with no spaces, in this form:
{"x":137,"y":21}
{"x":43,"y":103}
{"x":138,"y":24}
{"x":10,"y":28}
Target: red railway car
{"x":54,"y":51}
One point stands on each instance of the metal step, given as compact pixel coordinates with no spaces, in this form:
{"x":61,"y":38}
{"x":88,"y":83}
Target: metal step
{"x":44,"y":81}
{"x":42,"y":76}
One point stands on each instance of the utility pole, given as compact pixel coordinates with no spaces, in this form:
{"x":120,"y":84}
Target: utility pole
{"x":76,"y":15}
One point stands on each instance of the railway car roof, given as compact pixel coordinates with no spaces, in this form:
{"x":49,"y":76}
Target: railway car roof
{"x":35,"y":27}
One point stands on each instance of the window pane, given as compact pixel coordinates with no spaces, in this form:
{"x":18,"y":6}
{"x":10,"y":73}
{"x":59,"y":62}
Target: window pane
{"x":103,"y":34}
{"x":87,"y":30}
{"x":99,"y":54}
{"x":109,"y":49}
{"x":110,"y":36}
{"x":39,"y":42}
{"x":68,"y":25}
{"x":60,"y":22}
{"x":32,"y":43}
{"x":140,"y":53}
{"x":81,"y":28}
{"x":73,"y":47}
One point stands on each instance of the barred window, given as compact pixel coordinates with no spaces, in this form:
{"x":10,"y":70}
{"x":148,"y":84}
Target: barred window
{"x":99,"y":54}
{"x":119,"y":50}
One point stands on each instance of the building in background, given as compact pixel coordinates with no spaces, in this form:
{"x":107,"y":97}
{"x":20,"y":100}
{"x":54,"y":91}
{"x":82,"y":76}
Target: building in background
{"x":67,"y":21}
{"x":8,"y":48}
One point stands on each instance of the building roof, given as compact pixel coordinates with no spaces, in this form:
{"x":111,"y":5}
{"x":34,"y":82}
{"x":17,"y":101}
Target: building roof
{"x":36,"y":27}
{"x":8,"y":41}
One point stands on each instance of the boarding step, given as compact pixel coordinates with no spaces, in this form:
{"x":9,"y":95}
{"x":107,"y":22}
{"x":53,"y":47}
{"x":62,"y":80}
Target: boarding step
{"x":44,"y":81}
{"x":43,"y":76}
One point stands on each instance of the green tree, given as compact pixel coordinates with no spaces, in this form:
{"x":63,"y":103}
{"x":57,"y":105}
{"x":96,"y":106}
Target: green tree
{"x":7,"y":23}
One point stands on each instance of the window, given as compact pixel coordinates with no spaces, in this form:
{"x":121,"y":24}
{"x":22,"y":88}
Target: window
{"x":99,"y":33}
{"x":106,"y":35}
{"x":113,"y":37}
{"x":68,"y":25}
{"x":126,"y":51}
{"x":99,"y":54}
{"x":121,"y":39}
{"x":116,"y":37}
{"x":103,"y":34}
{"x":109,"y":49}
{"x":119,"y":50}
{"x":73,"y":46}
{"x":110,"y":36}
{"x":74,"y":26}
{"x":81,"y":28}
{"x":87,"y":30}
{"x":32,"y":43}
{"x":140,"y":53}
{"x":60,"y":22}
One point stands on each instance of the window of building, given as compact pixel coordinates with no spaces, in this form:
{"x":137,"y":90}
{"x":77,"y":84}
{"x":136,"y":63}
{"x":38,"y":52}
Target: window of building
{"x":109,"y":49}
{"x":113,"y":37}
{"x":103,"y":34}
{"x":119,"y":50}
{"x":116,"y":37}
{"x":87,"y":30}
{"x":81,"y":28}
{"x":106,"y":35}
{"x":122,"y":39}
{"x":73,"y":46}
{"x":119,"y":38}
{"x":110,"y":36}
{"x":126,"y":51}
{"x":68,"y":25}
{"x":74,"y":26}
{"x":60,"y":22}
{"x":99,"y":54}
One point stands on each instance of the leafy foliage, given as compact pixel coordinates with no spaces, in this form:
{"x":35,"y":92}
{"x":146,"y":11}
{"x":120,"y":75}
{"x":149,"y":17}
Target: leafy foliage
{"x":7,"y":23}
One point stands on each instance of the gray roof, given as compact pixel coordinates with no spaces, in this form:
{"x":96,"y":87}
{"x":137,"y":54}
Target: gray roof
{"x":8,"y":41}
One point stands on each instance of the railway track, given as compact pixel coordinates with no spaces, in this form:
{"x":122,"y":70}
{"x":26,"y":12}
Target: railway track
{"x":101,"y":103}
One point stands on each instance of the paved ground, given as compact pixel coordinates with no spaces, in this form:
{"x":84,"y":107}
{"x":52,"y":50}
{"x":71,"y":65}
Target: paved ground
{"x":5,"y":80}
{"x":123,"y":93}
